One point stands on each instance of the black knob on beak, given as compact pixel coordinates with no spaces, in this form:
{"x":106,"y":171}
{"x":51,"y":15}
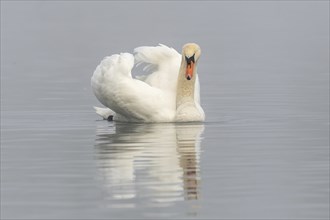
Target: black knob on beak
{"x":190,"y":59}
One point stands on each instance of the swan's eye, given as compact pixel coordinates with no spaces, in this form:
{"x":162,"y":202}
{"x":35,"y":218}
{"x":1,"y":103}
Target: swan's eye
{"x":190,"y":59}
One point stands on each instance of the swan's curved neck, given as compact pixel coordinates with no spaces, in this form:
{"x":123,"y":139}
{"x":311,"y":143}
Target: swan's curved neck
{"x":185,"y":87}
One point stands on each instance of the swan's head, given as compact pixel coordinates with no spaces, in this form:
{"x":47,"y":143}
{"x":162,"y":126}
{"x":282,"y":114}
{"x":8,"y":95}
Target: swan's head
{"x":190,"y":54}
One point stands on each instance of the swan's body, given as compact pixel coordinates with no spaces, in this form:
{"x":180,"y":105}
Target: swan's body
{"x":166,"y":95}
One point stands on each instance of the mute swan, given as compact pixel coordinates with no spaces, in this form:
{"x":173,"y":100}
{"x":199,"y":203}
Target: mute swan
{"x":169,"y":94}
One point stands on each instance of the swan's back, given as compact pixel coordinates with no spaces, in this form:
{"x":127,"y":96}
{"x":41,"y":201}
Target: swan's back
{"x":133,"y":99}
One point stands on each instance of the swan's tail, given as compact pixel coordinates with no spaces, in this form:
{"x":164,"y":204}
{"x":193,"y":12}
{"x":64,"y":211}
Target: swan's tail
{"x":105,"y":113}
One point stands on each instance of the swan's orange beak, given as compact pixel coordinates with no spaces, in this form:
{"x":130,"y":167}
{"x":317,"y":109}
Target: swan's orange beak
{"x":190,"y":67}
{"x":190,"y":70}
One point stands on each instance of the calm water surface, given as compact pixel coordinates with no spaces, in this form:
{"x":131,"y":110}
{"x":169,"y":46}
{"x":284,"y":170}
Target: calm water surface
{"x":263,"y":151}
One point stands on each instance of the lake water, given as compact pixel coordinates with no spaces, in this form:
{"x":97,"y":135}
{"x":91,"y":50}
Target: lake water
{"x":263,"y":151}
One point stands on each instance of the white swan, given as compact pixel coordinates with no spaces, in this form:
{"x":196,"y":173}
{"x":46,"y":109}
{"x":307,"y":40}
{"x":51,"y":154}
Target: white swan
{"x":169,"y":94}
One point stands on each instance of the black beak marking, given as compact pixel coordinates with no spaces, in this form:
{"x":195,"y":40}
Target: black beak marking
{"x":190,"y":59}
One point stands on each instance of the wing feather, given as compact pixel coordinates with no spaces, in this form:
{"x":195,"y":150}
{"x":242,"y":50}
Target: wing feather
{"x":134,"y":99}
{"x":163,"y":62}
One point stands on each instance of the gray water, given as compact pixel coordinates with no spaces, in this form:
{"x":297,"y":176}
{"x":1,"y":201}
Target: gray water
{"x":263,"y":151}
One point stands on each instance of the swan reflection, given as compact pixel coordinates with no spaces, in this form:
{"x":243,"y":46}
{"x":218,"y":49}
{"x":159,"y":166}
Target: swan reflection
{"x":158,"y":163}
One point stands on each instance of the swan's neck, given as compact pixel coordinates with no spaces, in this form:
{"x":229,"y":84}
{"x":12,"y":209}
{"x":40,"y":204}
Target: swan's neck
{"x":185,"y":87}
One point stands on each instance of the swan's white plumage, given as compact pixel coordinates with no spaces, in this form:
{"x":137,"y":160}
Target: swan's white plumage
{"x":164,"y":61}
{"x":148,"y":98}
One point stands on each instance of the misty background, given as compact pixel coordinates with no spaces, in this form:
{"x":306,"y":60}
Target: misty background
{"x":263,"y":150}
